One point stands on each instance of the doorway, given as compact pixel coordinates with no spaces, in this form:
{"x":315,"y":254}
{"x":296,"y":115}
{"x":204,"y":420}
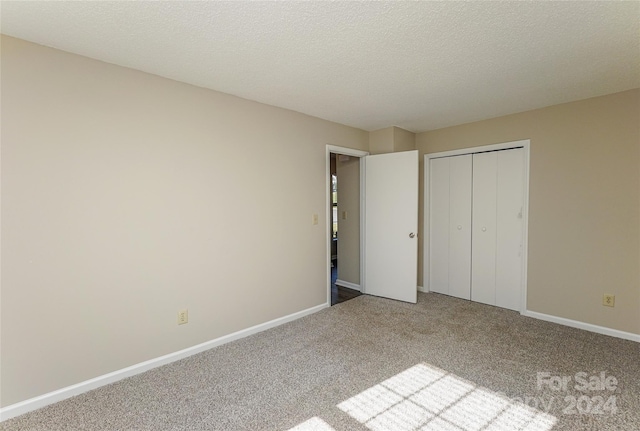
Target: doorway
{"x":384,"y":253}
{"x":344,"y":216}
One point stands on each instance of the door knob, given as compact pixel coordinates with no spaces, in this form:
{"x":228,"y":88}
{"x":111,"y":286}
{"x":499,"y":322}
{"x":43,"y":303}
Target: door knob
{"x":459,"y":227}
{"x":484,"y":229}
{"x":412,"y":235}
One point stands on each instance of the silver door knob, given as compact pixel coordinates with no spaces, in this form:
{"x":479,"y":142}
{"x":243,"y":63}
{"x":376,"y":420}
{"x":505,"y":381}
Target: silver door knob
{"x":484,"y":229}
{"x":412,"y":235}
{"x":459,"y":227}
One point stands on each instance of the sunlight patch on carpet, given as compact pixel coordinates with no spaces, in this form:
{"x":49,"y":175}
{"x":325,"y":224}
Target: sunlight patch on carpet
{"x":313,"y":424}
{"x":425,"y":398}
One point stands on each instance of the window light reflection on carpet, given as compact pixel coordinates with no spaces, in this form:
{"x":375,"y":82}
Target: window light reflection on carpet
{"x":425,"y":398}
{"x":313,"y":424}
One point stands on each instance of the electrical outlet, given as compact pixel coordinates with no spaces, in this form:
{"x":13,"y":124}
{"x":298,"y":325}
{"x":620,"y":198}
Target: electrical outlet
{"x":609,"y":300}
{"x":183,"y":317}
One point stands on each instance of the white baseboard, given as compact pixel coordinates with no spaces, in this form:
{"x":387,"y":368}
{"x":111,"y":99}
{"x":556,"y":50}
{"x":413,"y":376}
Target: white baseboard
{"x":35,"y":403}
{"x":423,"y":289}
{"x":348,"y":285}
{"x":581,"y":325}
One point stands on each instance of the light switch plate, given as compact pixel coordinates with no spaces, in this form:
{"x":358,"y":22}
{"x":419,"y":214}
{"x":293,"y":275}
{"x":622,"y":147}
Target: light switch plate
{"x":183,"y":317}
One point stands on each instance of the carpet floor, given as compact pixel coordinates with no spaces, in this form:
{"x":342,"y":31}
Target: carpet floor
{"x":376,"y":364}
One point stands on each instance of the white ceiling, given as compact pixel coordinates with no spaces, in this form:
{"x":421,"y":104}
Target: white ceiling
{"x":416,"y":65}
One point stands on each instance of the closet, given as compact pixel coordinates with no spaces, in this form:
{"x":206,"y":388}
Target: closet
{"x":476,"y":234}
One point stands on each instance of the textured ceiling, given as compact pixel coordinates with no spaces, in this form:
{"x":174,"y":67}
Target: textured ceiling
{"x":416,"y":65}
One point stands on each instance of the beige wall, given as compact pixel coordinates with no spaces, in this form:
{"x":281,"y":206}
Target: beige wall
{"x":403,"y":140}
{"x":390,"y":140}
{"x":381,"y":141}
{"x":584,"y":203}
{"x":349,"y":228}
{"x":126,"y":197}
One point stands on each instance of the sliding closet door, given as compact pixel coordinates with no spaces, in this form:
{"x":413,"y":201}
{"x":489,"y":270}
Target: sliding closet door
{"x":439,"y":225}
{"x":460,"y":227}
{"x":483,"y":267}
{"x":450,"y":226}
{"x":509,"y":240}
{"x":498,"y":198}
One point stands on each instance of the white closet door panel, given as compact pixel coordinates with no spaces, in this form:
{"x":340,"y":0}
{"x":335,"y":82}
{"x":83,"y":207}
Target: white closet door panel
{"x":510,"y":201}
{"x":460,"y":226}
{"x":439,"y":225}
{"x":483,"y":263}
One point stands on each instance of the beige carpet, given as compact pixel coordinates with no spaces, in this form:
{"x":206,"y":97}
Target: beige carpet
{"x":376,"y":364}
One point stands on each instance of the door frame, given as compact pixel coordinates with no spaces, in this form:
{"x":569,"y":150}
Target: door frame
{"x":361,"y":156}
{"x":525,"y":145}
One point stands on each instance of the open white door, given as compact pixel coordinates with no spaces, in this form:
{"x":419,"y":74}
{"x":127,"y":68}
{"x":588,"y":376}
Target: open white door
{"x":391,"y":225}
